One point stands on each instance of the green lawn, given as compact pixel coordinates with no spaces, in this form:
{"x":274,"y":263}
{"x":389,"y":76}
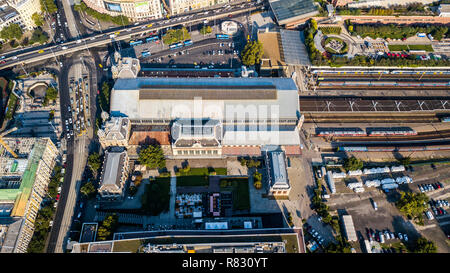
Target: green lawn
{"x":428,"y":48}
{"x":203,"y":171}
{"x":193,"y":181}
{"x":197,"y":176}
{"x":156,"y":197}
{"x":239,"y":187}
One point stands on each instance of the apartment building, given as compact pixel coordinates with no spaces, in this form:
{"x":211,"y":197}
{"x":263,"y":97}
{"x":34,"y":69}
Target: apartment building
{"x":26,"y":8}
{"x":135,"y":10}
{"x":9,"y":15}
{"x":23,"y":185}
{"x":181,"y":6}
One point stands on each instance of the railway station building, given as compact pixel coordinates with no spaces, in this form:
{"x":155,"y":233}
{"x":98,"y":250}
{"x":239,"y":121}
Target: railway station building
{"x":210,"y":117}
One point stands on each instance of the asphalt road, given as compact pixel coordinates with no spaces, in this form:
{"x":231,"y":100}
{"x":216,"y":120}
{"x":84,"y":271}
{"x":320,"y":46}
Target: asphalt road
{"x":49,"y":51}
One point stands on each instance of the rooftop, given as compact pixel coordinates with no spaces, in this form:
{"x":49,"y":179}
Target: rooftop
{"x":278,"y":170}
{"x":115,"y":129}
{"x":287,"y":10}
{"x":112,"y":170}
{"x":171,"y":98}
{"x":272,"y":57}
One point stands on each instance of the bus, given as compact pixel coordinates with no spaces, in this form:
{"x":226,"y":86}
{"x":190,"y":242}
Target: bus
{"x":145,"y":54}
{"x":135,"y":43}
{"x":175,"y":46}
{"x":187,"y":42}
{"x":151,"y":39}
{"x":222,"y":36}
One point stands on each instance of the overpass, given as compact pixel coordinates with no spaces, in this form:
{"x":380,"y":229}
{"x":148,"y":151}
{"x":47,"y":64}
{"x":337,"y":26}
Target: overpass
{"x":52,"y":51}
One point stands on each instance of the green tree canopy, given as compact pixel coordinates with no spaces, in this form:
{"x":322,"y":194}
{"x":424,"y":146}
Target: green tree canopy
{"x":424,"y":246}
{"x":48,"y":6}
{"x":205,"y":30}
{"x":176,"y":35}
{"x":104,"y":98}
{"x":39,"y":36}
{"x":37,"y":19}
{"x":353,"y":164}
{"x":152,"y":157}
{"x":156,"y":197}
{"x":13,"y":31}
{"x":107,"y":227}
{"x":314,"y":24}
{"x":405,"y":161}
{"x":412,"y":204}
{"x":94,"y":162}
{"x":88,"y":189}
{"x":252,"y":53}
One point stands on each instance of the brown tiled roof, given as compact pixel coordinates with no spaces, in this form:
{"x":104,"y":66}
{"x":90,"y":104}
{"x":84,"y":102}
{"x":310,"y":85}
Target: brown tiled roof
{"x":155,"y":137}
{"x":292,"y":150}
{"x":241,"y":150}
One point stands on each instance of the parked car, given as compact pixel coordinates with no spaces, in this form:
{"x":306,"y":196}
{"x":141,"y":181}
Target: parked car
{"x":400,"y":236}
{"x":405,"y":237}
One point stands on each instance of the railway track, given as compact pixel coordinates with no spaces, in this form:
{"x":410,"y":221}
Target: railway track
{"x":320,"y":118}
{"x":380,"y":87}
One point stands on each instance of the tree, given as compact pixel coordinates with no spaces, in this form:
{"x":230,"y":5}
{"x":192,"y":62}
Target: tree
{"x":38,"y":19}
{"x":176,"y":35}
{"x":257,"y":176}
{"x":107,"y":227}
{"x":252,"y":53}
{"x":350,"y":28}
{"x":104,"y":98}
{"x":412,"y":204}
{"x":152,"y":157}
{"x":88,"y":189}
{"x":94,"y":162}
{"x":314,"y":24}
{"x":205,"y":30}
{"x":353,"y":164}
{"x":13,"y":31}
{"x":405,"y":161}
{"x":38,"y":36}
{"x":48,"y":6}
{"x":50,"y":95}
{"x":257,"y":185}
{"x":424,"y":246}
{"x":156,"y":197}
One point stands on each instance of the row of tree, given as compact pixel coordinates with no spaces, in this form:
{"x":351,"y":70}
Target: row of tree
{"x":45,"y":215}
{"x":398,"y":31}
{"x":120,"y":20}
{"x":176,"y":35}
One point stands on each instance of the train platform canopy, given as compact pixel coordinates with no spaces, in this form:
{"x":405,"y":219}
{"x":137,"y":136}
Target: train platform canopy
{"x":288,"y":11}
{"x":362,"y":104}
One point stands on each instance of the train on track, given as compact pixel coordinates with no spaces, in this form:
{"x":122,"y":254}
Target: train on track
{"x":357,"y":132}
{"x":382,"y":83}
{"x":371,"y":72}
{"x":417,"y":148}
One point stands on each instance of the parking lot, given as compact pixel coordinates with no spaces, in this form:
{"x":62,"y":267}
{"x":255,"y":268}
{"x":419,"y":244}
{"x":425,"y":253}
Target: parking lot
{"x":387,"y":216}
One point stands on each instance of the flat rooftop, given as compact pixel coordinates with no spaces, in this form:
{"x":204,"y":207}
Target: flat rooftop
{"x":170,"y":98}
{"x":286,"y":10}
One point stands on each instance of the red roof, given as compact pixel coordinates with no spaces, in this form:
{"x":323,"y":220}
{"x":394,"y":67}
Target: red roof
{"x":155,"y":137}
{"x":292,"y":150}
